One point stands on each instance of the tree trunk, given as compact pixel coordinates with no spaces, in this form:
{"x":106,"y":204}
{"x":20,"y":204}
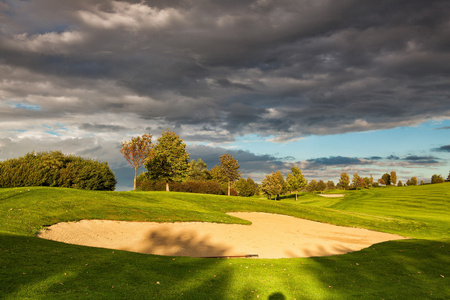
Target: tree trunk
{"x":295,"y":195}
{"x":167,"y":186}
{"x":135,"y":176}
{"x":229,"y":188}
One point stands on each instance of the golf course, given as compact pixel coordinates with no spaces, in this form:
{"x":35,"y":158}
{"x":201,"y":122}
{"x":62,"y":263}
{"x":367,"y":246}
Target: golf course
{"x":415,"y":267}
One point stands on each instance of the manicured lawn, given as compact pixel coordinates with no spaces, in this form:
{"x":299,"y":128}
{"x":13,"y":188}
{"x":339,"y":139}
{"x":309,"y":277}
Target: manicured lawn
{"x":417,"y":268}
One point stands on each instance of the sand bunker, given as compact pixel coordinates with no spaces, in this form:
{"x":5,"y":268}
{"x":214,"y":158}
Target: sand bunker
{"x":269,"y":236}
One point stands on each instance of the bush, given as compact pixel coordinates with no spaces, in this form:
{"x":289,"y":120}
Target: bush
{"x":191,"y":186}
{"x":55,"y":169}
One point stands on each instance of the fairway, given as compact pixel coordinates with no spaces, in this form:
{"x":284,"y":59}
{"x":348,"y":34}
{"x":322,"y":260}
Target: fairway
{"x":35,"y":268}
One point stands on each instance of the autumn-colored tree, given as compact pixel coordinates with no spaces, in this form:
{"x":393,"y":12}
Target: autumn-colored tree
{"x":168,"y":160}
{"x":330,"y":185}
{"x":228,"y":168}
{"x":437,"y":178}
{"x":356,"y":181}
{"x":136,"y":152}
{"x":344,"y":181}
{"x":386,"y":178}
{"x":273,"y":184}
{"x":414,"y":181}
{"x":393,"y":177}
{"x":295,"y":180}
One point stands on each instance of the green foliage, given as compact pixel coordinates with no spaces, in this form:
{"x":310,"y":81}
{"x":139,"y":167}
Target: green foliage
{"x":344,"y":181}
{"x":245,"y":188}
{"x":168,"y":160}
{"x":295,"y":180}
{"x":190,"y":186}
{"x":312,"y":186}
{"x":198,"y":170}
{"x":437,"y":179}
{"x":55,"y":169}
{"x":226,"y":170}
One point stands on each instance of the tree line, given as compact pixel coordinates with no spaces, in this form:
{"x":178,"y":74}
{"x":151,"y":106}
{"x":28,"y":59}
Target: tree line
{"x":168,"y":168}
{"x":56,"y":169}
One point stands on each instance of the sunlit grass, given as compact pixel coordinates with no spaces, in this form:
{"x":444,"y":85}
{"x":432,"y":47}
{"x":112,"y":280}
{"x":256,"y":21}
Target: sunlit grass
{"x":32,"y":268}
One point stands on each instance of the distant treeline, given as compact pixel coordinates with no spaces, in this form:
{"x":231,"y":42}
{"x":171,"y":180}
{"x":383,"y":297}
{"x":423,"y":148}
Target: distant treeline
{"x":56,"y":170}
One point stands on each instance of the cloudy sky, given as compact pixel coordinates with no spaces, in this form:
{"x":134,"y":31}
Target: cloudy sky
{"x":330,"y":86}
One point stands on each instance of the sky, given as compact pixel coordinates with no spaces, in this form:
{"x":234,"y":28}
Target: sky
{"x":329,"y":86}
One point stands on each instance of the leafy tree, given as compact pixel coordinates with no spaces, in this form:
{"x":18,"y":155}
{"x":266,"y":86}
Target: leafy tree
{"x":245,"y":188}
{"x":421,"y":182}
{"x":168,"y":159}
{"x":330,"y":185}
{"x":312,"y":186}
{"x":228,"y":168}
{"x":356,"y":181}
{"x":273,"y":184}
{"x":321,"y":185}
{"x":386,"y":179}
{"x":448,"y":177}
{"x":393,"y":177}
{"x":437,"y":179}
{"x":198,"y":170}
{"x":408,"y":182}
{"x":399,"y":183}
{"x":344,"y":181}
{"x":136,"y":152}
{"x":413,"y":180}
{"x":295,"y":180}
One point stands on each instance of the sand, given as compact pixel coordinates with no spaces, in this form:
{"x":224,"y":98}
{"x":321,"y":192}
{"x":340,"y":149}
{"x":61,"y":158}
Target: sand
{"x":269,"y":236}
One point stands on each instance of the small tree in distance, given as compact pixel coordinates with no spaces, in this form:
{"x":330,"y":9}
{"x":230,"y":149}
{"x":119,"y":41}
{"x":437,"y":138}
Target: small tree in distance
{"x":344,"y":181}
{"x":295,"y":180}
{"x":229,"y":169}
{"x":136,"y":151}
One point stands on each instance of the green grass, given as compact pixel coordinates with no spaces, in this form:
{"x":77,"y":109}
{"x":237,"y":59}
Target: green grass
{"x":416,"y":268}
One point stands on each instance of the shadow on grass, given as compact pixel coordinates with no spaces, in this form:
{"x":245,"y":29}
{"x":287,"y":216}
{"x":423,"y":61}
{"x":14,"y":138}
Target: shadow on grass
{"x":406,"y":269}
{"x":36,"y":269}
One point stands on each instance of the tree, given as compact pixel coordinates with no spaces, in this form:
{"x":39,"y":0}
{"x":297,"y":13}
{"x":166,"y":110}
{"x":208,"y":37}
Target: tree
{"x":229,"y":169}
{"x":448,"y":177}
{"x":168,"y":159}
{"x":393,"y":177}
{"x":356,"y":181}
{"x":136,"y":151}
{"x":273,"y":184}
{"x":245,"y":188}
{"x":399,"y":183}
{"x":344,"y":181}
{"x":437,"y":179}
{"x":295,"y":180}
{"x":321,"y":186}
{"x":330,"y":185}
{"x":198,"y":170}
{"x":386,"y":179}
{"x":312,"y":186}
{"x":413,"y":180}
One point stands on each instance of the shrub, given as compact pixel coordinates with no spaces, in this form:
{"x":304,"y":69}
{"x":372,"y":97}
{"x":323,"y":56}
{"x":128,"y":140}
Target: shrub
{"x":191,"y":186}
{"x":56,"y":170}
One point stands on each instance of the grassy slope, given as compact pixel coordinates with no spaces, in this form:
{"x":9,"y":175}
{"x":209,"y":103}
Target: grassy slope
{"x":35,"y":268}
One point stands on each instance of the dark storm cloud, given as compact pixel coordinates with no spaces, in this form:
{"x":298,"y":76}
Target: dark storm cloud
{"x":276,"y":68}
{"x":426,"y":160}
{"x":337,"y":161}
{"x":248,"y":162}
{"x":443,"y":149}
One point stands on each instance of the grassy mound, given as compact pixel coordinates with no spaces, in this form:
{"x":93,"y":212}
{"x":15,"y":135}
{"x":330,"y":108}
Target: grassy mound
{"x":39,"y":269}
